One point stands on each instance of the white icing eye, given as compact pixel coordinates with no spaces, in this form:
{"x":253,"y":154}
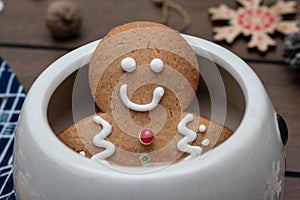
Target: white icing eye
{"x":128,"y":64}
{"x":157,"y":65}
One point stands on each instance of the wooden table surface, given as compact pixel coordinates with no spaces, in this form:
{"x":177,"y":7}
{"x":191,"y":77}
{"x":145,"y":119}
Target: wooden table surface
{"x":26,"y":44}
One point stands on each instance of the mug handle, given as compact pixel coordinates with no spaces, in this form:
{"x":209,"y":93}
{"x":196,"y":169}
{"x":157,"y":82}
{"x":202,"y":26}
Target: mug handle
{"x":284,"y":133}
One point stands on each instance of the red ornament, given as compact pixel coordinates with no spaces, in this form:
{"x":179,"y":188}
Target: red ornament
{"x":146,"y":137}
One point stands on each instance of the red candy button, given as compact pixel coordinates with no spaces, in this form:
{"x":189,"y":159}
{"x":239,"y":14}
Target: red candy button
{"x":146,"y":137}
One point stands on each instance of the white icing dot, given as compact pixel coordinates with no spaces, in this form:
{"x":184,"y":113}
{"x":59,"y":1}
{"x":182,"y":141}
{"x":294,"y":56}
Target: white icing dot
{"x":156,"y":65}
{"x":205,"y":142}
{"x":202,"y":128}
{"x":128,"y":64}
{"x":82,"y":153}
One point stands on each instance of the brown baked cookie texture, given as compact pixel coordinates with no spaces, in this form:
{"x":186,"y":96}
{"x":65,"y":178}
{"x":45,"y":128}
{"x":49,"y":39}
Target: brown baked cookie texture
{"x":133,"y":25}
{"x":129,"y":151}
{"x":143,"y":42}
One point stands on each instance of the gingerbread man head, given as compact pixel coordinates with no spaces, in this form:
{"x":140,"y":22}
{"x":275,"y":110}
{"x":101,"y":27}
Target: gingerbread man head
{"x":144,"y":75}
{"x":143,"y":51}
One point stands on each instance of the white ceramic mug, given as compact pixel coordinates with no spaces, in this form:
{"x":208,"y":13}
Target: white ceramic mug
{"x":249,"y":165}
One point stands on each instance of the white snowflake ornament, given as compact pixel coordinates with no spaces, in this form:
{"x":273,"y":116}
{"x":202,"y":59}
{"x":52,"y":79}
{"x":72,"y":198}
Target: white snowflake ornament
{"x":255,"y":20}
{"x":274,"y":183}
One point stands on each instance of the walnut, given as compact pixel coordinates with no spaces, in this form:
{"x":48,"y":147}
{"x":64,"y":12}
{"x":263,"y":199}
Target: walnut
{"x":63,"y":18}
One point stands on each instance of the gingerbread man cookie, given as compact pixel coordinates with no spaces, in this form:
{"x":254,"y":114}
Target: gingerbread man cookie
{"x":143,"y":76}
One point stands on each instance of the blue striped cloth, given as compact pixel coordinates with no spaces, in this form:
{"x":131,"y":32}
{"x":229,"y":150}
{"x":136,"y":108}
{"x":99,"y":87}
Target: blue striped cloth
{"x":12,"y":96}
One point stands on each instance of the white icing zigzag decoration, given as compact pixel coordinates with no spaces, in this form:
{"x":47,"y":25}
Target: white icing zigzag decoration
{"x":190,"y":136}
{"x":99,"y":141}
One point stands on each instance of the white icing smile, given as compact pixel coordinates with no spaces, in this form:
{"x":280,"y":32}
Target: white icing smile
{"x":157,"y":95}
